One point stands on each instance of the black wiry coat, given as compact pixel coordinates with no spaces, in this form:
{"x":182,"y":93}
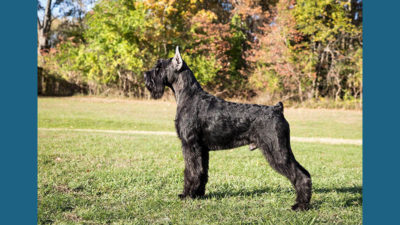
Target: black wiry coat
{"x":204,"y":122}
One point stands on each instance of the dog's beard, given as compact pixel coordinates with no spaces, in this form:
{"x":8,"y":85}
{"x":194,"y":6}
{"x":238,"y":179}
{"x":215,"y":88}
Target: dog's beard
{"x":155,"y":86}
{"x":157,"y":92}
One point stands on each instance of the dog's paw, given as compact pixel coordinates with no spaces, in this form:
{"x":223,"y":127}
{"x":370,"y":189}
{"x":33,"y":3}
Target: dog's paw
{"x":300,"y":207}
{"x":252,"y":147}
{"x":182,"y":196}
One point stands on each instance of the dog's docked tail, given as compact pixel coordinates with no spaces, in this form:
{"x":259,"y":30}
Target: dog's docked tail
{"x":278,"y":107}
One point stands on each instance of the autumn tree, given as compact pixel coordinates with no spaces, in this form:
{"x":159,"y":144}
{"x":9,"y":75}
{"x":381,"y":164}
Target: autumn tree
{"x":310,"y":49}
{"x":280,"y":49}
{"x":334,"y":30}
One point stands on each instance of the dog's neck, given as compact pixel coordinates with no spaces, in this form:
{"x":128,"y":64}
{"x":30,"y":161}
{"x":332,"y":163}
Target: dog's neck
{"x":185,"y":85}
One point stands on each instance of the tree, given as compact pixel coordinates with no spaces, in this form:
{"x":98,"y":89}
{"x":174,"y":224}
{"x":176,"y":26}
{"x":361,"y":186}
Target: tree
{"x":277,"y":67}
{"x":69,"y":16}
{"x":334,"y":32}
{"x":286,"y":49}
{"x":311,"y":49}
{"x":44,"y":27}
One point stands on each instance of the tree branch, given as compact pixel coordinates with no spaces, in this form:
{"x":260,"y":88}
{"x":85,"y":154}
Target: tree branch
{"x":39,"y":24}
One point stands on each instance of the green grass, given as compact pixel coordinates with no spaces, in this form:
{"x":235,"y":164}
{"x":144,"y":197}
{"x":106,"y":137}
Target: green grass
{"x":122,"y":114}
{"x":95,"y":178}
{"x":103,"y":113}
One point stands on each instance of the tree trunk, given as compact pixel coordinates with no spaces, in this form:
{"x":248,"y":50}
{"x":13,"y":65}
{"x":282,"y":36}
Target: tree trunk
{"x":44,"y":29}
{"x":339,"y":88}
{"x":300,"y":90}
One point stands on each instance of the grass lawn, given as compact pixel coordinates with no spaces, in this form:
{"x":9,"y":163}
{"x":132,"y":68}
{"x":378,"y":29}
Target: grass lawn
{"x":100,"y":178}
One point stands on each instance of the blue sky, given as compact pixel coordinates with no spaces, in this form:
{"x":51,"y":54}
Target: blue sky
{"x":62,"y":7}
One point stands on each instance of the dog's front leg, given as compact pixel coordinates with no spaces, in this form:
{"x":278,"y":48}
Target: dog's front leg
{"x":196,"y":170}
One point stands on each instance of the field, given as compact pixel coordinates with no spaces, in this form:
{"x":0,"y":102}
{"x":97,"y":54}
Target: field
{"x":115,"y":178}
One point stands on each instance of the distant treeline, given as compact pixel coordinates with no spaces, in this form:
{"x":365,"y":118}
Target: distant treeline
{"x":282,"y":49}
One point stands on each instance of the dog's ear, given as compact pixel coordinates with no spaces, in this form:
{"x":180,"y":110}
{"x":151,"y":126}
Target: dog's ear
{"x":177,"y":60}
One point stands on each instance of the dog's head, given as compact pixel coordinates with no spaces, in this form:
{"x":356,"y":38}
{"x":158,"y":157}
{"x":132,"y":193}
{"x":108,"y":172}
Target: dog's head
{"x":163,"y":74}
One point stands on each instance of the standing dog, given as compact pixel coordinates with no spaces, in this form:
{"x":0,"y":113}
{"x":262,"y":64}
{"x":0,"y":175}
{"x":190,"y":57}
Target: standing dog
{"x":204,"y":123}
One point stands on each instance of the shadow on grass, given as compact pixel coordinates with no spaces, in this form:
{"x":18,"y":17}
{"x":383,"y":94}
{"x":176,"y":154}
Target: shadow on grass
{"x":351,"y":190}
{"x":245,"y":193}
{"x":354,"y":200}
{"x":347,"y":202}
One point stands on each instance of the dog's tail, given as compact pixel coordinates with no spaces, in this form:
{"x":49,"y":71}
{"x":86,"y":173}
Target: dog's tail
{"x":278,"y":107}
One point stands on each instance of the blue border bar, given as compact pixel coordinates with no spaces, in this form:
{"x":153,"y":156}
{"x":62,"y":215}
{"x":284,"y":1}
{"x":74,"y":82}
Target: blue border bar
{"x":18,"y":89}
{"x":381,"y":158}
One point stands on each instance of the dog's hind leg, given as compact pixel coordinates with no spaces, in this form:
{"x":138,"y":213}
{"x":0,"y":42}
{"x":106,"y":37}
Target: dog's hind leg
{"x":284,"y":163}
{"x":276,"y":149}
{"x":196,"y":170}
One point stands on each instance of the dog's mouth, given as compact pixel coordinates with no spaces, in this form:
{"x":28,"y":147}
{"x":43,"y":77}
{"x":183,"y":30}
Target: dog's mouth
{"x":147,"y":81}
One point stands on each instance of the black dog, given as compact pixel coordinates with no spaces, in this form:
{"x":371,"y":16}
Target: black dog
{"x":204,"y":123}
